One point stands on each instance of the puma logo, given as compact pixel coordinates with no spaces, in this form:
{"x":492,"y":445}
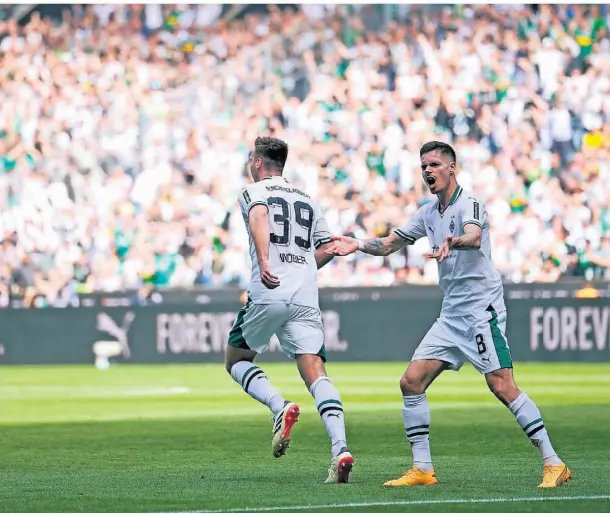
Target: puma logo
{"x":106,"y":324}
{"x":335,"y":415}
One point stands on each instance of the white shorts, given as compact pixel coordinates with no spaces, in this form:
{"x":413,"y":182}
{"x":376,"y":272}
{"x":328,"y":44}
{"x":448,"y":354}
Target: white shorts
{"x":455,"y":340}
{"x":299,"y":329}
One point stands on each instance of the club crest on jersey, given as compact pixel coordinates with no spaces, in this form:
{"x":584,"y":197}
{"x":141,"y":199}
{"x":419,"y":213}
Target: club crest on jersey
{"x":452,"y":224}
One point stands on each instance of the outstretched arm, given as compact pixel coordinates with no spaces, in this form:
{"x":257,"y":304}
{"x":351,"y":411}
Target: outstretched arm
{"x":380,"y":246}
{"x":400,"y":237}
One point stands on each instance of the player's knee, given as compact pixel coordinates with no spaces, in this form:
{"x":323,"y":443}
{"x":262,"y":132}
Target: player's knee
{"x":228,"y":366}
{"x":228,"y":360}
{"x":234,"y":355}
{"x":411,"y":385}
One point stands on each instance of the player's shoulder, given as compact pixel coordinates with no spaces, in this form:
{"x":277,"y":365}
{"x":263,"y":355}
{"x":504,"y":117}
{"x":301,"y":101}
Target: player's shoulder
{"x":427,"y":209}
{"x":251,"y":187}
{"x":251,"y":193}
{"x":468,"y":197}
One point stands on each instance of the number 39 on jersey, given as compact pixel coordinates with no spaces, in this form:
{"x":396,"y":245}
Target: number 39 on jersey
{"x":296,"y":228}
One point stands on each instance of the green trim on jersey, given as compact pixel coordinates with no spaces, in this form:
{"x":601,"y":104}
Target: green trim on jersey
{"x":236,"y":336}
{"x":454,"y":197}
{"x":455,"y":194}
{"x":502,"y":350}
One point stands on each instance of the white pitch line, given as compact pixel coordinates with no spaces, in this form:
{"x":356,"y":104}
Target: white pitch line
{"x":288,"y":508}
{"x":31,"y":393}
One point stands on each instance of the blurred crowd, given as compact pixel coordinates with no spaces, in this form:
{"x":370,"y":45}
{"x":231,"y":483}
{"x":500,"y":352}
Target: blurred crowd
{"x":124,"y":132}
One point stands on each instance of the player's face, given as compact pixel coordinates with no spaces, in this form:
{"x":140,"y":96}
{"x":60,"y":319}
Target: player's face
{"x":437,"y":169}
{"x":255,"y":163}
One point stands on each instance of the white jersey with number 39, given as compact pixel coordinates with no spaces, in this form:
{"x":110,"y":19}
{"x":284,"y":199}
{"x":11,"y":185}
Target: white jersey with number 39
{"x":297,"y":227}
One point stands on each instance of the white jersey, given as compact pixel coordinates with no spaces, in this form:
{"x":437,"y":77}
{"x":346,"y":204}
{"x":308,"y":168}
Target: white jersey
{"x":470,"y":282}
{"x":297,"y":227}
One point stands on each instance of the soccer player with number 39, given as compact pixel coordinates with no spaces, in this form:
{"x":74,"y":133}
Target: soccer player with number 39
{"x":288,"y":238}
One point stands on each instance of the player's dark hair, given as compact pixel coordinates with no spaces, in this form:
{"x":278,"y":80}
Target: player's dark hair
{"x":272,"y":151}
{"x":444,"y":148}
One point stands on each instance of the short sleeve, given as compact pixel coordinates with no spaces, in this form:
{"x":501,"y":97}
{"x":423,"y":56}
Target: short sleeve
{"x":473,"y":212}
{"x":413,"y":229}
{"x":249,"y":197}
{"x":321,"y":234}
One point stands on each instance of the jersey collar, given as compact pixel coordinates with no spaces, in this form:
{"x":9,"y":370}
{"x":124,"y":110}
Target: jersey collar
{"x":275,"y":177}
{"x":454,"y":197}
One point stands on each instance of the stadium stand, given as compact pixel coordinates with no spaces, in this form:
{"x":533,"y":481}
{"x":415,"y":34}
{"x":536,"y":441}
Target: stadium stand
{"x":124,"y":132}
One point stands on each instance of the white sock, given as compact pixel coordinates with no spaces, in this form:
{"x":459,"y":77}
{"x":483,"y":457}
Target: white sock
{"x":416,"y":415}
{"x":330,"y":408}
{"x":530,"y":420}
{"x":254,"y":381}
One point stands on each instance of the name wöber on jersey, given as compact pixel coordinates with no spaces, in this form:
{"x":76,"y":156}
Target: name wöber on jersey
{"x":291,"y":258}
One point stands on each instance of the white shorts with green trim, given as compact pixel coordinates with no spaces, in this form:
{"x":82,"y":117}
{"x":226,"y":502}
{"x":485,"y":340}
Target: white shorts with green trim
{"x":298,"y":328}
{"x":456,"y":339}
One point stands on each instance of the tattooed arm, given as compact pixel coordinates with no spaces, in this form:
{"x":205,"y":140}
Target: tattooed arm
{"x":343,"y":245}
{"x":398,"y":238}
{"x":382,"y":245}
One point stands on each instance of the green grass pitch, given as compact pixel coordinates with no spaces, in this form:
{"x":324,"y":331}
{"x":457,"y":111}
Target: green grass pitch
{"x":187,"y":438}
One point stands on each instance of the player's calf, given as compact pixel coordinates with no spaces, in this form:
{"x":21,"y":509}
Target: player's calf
{"x":285,"y":414}
{"x":527,"y":414}
{"x":530,"y":420}
{"x":239,"y":363}
{"x":416,"y":416}
{"x":330,"y":408}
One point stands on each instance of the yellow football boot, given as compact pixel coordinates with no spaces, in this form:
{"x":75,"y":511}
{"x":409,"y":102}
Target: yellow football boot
{"x":554,"y":476}
{"x":414,"y":476}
